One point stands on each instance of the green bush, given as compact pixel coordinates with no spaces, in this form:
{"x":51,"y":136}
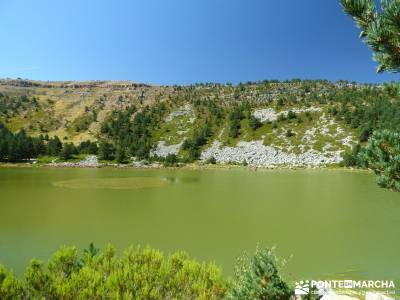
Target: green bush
{"x":351,"y":159}
{"x":289,"y":133}
{"x":140,"y":273}
{"x":258,"y":278}
{"x":211,"y":161}
{"x":254,"y":123}
{"x":291,"y":115}
{"x":171,"y":160}
{"x":10,"y":287}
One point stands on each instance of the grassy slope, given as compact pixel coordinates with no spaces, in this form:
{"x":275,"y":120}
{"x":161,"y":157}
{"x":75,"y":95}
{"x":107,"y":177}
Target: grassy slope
{"x":61,"y":108}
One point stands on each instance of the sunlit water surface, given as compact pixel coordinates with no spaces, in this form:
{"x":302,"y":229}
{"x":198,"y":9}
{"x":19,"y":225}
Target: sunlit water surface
{"x":335,"y":224}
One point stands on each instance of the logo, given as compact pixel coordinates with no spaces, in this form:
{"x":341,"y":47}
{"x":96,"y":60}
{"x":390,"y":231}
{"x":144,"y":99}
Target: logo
{"x":325,"y":287}
{"x":302,"y":287}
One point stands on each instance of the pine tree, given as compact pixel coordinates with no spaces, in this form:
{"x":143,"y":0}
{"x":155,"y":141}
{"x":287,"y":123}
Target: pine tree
{"x":380,"y":29}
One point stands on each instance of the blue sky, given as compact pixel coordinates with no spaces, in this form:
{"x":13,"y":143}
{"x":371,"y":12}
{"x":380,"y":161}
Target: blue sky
{"x":182,"y":41}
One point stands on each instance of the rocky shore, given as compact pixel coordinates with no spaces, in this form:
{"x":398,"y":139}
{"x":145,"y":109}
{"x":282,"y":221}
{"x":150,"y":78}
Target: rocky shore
{"x":90,"y":161}
{"x":256,"y":154}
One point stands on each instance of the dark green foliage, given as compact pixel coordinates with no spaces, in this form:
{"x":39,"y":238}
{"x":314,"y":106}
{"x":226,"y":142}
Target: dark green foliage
{"x":120,"y":155}
{"x":211,"y":160}
{"x":258,"y":278}
{"x":106,"y":151}
{"x":366,"y":110}
{"x":199,"y":138}
{"x":291,"y":115}
{"x":365,"y":132}
{"x":280,"y":102}
{"x":234,"y":128}
{"x":137,"y":274}
{"x":5,"y":138}
{"x":289,"y":133}
{"x":134,"y":136}
{"x":235,"y":117}
{"x":171,"y":160}
{"x":254,"y":123}
{"x":88,"y":147}
{"x":54,"y":146}
{"x":380,"y":29}
{"x":382,"y":155}
{"x":19,"y":146}
{"x":13,"y":104}
{"x":352,"y":159}
{"x":68,"y":151}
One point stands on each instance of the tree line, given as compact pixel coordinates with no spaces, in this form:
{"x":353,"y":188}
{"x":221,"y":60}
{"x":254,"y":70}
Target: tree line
{"x":20,"y":146}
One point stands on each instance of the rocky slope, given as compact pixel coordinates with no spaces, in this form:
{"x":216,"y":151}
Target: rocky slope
{"x":296,"y":124}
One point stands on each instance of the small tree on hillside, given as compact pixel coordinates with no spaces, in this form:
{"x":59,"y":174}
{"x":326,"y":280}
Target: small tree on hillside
{"x":380,"y":29}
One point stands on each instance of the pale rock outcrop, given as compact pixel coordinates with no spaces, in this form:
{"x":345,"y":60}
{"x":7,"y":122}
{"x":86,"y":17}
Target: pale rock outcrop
{"x":163,"y":150}
{"x":255,"y":153}
{"x":90,"y":161}
{"x":185,"y":110}
{"x":269,"y":114}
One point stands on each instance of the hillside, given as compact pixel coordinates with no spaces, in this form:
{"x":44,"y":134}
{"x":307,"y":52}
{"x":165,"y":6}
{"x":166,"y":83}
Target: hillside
{"x":263,"y":124}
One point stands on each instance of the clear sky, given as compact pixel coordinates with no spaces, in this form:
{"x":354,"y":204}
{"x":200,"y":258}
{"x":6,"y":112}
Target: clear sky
{"x":182,"y":41}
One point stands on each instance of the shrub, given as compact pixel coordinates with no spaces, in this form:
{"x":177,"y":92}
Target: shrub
{"x":280,"y":102}
{"x":171,"y":160}
{"x":289,"y":133}
{"x":211,"y":160}
{"x":258,"y":278}
{"x":140,"y":273}
{"x":352,"y":159}
{"x":291,"y":115}
{"x":10,"y":287}
{"x":281,"y":118}
{"x":254,"y":123}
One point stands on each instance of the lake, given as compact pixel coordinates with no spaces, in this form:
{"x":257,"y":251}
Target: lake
{"x":335,"y":224}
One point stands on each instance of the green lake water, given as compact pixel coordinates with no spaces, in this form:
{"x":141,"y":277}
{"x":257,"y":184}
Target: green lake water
{"x":335,"y":224}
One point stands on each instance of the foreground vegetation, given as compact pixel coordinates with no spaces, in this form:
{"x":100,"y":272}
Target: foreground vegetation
{"x":380,"y":30}
{"x":144,"y":273}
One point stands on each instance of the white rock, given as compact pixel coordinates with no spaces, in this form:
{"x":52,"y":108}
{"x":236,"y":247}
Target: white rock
{"x":257,"y":154}
{"x":163,"y":150}
{"x":185,"y":110}
{"x":269,"y":114}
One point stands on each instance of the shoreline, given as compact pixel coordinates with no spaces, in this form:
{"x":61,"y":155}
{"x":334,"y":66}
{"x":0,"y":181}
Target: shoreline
{"x":158,"y":166}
